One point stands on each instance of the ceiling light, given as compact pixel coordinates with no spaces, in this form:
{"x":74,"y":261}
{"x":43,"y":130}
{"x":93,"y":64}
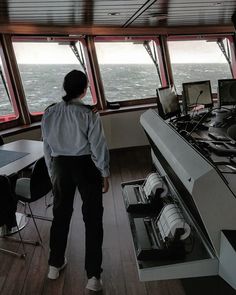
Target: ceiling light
{"x":157,"y":16}
{"x":154,"y":17}
{"x":217,"y":4}
{"x":113,"y":13}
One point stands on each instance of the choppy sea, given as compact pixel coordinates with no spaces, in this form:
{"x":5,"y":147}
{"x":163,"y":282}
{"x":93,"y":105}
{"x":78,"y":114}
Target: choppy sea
{"x":43,"y":83}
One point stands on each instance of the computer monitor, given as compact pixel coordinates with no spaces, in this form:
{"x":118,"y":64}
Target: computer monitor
{"x":169,"y":102}
{"x":226,"y":92}
{"x":197,"y":93}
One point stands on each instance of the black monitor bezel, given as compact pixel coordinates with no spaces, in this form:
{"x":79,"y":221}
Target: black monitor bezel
{"x":161,"y":111}
{"x":218,"y":90}
{"x":184,"y":101}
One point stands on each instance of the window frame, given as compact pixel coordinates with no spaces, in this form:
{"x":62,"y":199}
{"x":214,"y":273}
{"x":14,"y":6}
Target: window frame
{"x":207,"y":37}
{"x":16,"y":116}
{"x":17,"y":94}
{"x":36,"y":116}
{"x":142,"y":101}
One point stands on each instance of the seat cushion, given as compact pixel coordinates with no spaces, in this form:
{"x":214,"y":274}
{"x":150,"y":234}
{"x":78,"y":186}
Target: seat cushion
{"x":23,"y":189}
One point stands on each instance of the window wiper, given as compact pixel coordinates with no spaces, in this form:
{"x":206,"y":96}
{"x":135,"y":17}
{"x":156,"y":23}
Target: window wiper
{"x":4,"y":83}
{"x":153,"y":56}
{"x":226,"y":53}
{"x":79,"y":55}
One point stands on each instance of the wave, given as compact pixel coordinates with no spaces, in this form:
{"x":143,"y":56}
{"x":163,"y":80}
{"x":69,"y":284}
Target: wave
{"x":43,"y":83}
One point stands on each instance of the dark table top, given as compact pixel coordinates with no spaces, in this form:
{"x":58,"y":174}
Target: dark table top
{"x":20,"y":155}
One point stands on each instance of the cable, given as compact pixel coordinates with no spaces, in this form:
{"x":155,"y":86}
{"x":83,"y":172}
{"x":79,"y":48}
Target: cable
{"x":200,"y":121}
{"x":187,"y":134}
{"x":200,"y":93}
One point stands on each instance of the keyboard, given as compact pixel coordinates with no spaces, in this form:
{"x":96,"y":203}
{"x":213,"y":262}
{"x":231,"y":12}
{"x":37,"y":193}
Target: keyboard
{"x":222,"y":148}
{"x":218,"y":136}
{"x":223,"y":122}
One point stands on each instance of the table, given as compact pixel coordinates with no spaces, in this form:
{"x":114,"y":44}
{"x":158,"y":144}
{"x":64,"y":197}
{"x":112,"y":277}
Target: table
{"x":33,"y":150}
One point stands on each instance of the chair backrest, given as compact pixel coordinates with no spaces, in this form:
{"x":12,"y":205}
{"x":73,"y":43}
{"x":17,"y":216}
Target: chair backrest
{"x":40,"y":182}
{"x":8,"y":203}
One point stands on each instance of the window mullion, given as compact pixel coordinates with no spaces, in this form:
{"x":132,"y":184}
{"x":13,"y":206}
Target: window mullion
{"x":165,"y":63}
{"x":101,"y":101}
{"x":15,"y":80}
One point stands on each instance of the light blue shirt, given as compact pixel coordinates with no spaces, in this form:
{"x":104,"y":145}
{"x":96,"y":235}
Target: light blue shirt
{"x":72,"y":129}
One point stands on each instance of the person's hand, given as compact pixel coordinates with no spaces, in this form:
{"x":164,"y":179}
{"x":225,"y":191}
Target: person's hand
{"x":105,"y":187}
{"x":94,"y":109}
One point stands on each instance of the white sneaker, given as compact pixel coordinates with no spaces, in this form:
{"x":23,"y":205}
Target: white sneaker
{"x":54,"y":272}
{"x":94,"y":284}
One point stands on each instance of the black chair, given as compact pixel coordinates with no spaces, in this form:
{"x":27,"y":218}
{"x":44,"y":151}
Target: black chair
{"x":8,"y":213}
{"x":1,"y":140}
{"x":31,"y":189}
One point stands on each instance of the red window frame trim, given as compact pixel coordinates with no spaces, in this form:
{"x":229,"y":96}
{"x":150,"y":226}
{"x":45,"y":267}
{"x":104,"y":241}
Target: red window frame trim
{"x":160,"y":60}
{"x":47,"y":39}
{"x":210,"y":37}
{"x":15,"y":115}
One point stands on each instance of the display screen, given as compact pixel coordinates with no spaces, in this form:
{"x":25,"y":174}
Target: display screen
{"x":197,"y":93}
{"x":227,"y":92}
{"x":169,"y":102}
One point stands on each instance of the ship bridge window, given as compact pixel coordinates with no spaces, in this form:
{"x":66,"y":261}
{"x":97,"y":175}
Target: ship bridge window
{"x":43,"y":66}
{"x":129,"y":68}
{"x":8,"y":109}
{"x":200,"y":60}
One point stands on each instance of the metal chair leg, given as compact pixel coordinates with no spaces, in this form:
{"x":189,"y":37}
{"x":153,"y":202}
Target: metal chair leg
{"x":20,"y":255}
{"x":39,"y":216}
{"x":31,"y":213}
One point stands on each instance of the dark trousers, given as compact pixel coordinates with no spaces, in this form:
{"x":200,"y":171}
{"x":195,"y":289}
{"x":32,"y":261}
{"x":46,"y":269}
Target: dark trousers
{"x":70,"y":172}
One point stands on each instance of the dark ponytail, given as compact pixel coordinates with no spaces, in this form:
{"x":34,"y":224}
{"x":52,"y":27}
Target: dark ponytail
{"x":66,"y":98}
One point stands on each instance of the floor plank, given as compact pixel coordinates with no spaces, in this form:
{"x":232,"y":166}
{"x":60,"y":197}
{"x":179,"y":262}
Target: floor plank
{"x":120,"y":275}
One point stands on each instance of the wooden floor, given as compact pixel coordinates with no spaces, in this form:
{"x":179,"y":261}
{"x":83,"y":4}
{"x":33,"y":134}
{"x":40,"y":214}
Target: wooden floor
{"x":120,"y":277}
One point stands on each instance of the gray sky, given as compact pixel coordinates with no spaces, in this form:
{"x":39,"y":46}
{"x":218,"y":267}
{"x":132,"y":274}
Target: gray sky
{"x":180,"y":52}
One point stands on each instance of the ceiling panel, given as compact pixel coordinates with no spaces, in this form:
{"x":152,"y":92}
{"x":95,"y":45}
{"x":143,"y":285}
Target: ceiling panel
{"x":117,"y":13}
{"x":187,"y":12}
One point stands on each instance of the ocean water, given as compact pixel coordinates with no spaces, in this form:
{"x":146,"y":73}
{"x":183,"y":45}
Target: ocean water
{"x":43,"y":83}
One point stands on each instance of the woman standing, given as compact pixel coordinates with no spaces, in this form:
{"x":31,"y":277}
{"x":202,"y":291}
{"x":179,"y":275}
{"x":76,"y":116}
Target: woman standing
{"x":77,"y":156}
